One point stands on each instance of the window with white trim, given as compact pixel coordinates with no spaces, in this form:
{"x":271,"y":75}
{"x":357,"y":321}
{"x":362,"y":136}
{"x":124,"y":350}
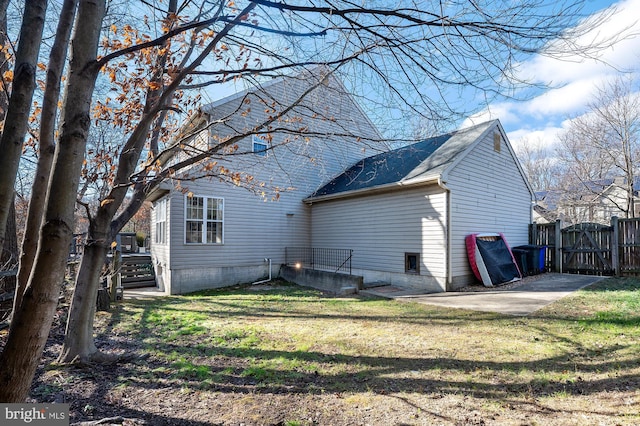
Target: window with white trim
{"x":259,"y":145}
{"x":204,"y":220}
{"x":161,"y":222}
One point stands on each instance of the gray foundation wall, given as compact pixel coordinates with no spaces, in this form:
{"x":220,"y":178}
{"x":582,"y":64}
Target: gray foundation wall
{"x":461,"y":281}
{"x":423,"y":283}
{"x":184,"y":281}
{"x":326,"y":281}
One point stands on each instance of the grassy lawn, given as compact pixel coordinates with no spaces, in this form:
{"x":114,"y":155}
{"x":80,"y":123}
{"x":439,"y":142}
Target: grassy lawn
{"x":292,"y":356}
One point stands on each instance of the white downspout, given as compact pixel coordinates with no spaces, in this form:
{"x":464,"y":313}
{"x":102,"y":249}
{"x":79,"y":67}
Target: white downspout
{"x":449,"y":279}
{"x":268,"y":279}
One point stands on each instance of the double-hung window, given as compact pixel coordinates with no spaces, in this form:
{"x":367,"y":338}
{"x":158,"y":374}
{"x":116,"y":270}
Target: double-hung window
{"x":161,"y":222}
{"x":204,"y":220}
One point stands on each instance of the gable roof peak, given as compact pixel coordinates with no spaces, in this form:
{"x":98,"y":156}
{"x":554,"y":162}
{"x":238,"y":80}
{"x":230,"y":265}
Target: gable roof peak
{"x":319,"y":73}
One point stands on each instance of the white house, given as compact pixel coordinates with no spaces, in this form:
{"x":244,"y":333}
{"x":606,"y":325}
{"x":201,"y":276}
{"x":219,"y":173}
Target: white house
{"x":590,"y":201}
{"x":404,"y":213}
{"x":207,"y":233}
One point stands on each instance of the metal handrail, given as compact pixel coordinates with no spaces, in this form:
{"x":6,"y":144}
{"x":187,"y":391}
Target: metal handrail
{"x":336,"y":260}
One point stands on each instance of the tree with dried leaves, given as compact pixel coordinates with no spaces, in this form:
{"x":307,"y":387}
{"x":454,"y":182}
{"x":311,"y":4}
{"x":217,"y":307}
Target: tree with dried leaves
{"x":9,"y":247}
{"x":407,"y":56}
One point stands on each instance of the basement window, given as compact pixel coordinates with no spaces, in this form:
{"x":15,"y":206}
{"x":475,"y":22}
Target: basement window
{"x":412,"y":263}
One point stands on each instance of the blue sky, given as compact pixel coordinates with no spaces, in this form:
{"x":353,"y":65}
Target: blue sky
{"x":570,"y":80}
{"x":573,"y":80}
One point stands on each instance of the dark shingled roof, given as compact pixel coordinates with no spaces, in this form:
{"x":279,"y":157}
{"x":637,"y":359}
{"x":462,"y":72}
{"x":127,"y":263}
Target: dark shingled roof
{"x":402,"y":164}
{"x":384,"y":168}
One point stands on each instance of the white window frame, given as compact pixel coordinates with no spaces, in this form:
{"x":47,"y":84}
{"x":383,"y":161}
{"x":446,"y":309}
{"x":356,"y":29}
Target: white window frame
{"x":257,"y":140}
{"x":160,"y":226}
{"x":204,"y":220}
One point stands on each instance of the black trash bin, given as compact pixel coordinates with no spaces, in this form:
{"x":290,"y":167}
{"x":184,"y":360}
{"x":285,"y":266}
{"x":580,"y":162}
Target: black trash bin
{"x":521,"y":260}
{"x":535,"y":258}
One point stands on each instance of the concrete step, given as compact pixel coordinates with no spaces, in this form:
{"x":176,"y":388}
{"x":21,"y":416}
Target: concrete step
{"x":374,"y":284}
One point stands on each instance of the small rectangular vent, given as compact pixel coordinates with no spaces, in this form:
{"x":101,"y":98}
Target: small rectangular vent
{"x":496,"y":141}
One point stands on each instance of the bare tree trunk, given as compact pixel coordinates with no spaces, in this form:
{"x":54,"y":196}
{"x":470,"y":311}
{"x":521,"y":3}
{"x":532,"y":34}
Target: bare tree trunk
{"x":78,"y":343}
{"x":51,"y":96}
{"x":32,"y":319}
{"x":8,"y":250}
{"x":19,"y":108}
{"x":4,"y":65}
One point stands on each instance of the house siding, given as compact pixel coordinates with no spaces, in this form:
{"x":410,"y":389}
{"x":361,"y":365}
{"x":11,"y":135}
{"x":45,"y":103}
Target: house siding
{"x":254,"y":229}
{"x":257,"y":227}
{"x":161,"y":252}
{"x":381,"y":228}
{"x":327,"y":129}
{"x":488,"y":194}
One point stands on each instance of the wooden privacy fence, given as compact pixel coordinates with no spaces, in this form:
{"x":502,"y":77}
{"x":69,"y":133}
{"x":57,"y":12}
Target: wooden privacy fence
{"x":591,"y":248}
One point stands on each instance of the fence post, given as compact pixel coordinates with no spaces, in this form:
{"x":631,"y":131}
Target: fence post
{"x":115,"y":278}
{"x":558,"y":246}
{"x":533,"y":233}
{"x":615,"y":240}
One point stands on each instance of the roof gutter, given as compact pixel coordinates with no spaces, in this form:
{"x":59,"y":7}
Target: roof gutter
{"x":159,"y":191}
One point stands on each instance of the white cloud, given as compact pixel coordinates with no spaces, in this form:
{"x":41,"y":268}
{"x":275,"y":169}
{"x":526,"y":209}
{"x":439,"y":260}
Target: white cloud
{"x":567,"y":100}
{"x":573,"y":80}
{"x":621,"y":27}
{"x":546,"y":137}
{"x":553,"y":105}
{"x":506,"y":112}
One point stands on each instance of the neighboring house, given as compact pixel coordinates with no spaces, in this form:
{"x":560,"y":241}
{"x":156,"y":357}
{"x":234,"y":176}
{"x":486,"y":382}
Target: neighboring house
{"x":593,"y":201}
{"x":404,"y":213}
{"x":542,"y":214}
